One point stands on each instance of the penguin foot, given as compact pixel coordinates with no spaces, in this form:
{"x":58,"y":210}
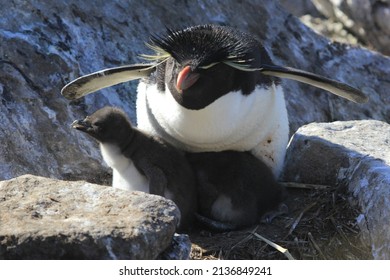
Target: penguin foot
{"x":269,"y":216}
{"x":215,"y":225}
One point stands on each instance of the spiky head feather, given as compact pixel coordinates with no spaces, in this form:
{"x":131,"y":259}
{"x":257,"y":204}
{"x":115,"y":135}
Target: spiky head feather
{"x":206,"y":45}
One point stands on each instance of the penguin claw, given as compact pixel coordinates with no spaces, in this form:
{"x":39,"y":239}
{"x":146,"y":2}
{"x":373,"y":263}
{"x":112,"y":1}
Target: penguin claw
{"x":268,"y":217}
{"x":215,"y":225}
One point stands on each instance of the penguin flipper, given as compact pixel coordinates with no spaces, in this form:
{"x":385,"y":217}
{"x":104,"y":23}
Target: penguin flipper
{"x":157,"y":179}
{"x":105,"y":78}
{"x":335,"y":87}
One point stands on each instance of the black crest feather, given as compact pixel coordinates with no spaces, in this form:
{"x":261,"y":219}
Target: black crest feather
{"x":208,"y":44}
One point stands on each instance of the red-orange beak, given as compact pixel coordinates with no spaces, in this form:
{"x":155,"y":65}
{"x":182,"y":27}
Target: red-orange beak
{"x":186,"y":79}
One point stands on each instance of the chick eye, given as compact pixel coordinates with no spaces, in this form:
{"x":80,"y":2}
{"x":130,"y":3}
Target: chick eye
{"x":98,"y":125}
{"x":205,"y":67}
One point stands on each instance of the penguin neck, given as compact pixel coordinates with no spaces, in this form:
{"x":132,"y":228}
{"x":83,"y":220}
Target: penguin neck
{"x":129,"y":146}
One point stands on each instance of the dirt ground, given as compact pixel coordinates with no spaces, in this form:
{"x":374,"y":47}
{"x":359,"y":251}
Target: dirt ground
{"x":321,"y":224}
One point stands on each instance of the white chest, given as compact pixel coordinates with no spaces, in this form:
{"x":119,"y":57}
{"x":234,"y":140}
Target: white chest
{"x":257,"y":122}
{"x":125,"y":174}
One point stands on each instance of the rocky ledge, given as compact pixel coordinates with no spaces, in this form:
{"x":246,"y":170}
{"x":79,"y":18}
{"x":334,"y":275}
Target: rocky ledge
{"x":44,"y":218}
{"x":351,"y":154}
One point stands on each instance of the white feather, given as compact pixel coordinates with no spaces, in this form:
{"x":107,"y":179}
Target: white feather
{"x":125,"y":174}
{"x":105,"y":78}
{"x":222,"y":210}
{"x":346,"y":91}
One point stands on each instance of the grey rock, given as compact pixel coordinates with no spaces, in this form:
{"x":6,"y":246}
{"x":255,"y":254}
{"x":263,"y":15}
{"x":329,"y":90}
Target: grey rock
{"x":44,"y":45}
{"x":300,"y":7}
{"x":354,"y":154}
{"x":367,"y":20}
{"x":43,"y":218}
{"x":179,"y":249}
{"x":330,"y":28}
{"x":352,"y":22}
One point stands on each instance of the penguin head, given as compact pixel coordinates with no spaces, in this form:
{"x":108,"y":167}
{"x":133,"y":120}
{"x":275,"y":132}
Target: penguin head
{"x":106,"y":125}
{"x":202,"y":63}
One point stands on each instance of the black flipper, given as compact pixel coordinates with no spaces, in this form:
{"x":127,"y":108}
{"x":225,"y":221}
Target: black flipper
{"x":105,"y":78}
{"x":330,"y":85}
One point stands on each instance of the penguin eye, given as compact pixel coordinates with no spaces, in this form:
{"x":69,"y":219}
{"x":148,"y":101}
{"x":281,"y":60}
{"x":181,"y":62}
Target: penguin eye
{"x":98,"y":126}
{"x":97,"y":123}
{"x":205,"y":67}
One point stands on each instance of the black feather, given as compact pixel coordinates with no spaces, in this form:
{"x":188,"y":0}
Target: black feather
{"x":206,"y":44}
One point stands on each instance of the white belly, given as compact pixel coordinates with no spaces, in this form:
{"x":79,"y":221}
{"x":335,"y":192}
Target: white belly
{"x":257,"y":122}
{"x":125,"y":174}
{"x":222,"y":210}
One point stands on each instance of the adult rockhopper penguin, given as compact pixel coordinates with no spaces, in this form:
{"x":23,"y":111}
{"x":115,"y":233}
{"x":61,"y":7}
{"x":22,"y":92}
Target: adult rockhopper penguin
{"x":212,"y":88}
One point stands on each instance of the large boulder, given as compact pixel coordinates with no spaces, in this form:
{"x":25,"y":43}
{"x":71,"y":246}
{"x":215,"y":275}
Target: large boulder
{"x":44,"y":45}
{"x":351,"y":154}
{"x":43,"y":218}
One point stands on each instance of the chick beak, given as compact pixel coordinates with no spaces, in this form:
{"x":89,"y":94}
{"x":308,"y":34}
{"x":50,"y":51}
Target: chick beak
{"x":186,"y":79}
{"x":81,"y":125}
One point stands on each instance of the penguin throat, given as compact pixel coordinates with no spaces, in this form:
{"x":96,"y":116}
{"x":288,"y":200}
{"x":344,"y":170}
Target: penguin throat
{"x":193,"y":98}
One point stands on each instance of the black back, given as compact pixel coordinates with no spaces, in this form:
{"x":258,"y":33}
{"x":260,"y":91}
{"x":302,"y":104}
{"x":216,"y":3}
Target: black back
{"x":247,"y":181}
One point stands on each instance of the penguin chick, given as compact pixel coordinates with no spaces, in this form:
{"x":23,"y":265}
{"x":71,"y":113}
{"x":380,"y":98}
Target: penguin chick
{"x":142,"y":162}
{"x":234,"y":188}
